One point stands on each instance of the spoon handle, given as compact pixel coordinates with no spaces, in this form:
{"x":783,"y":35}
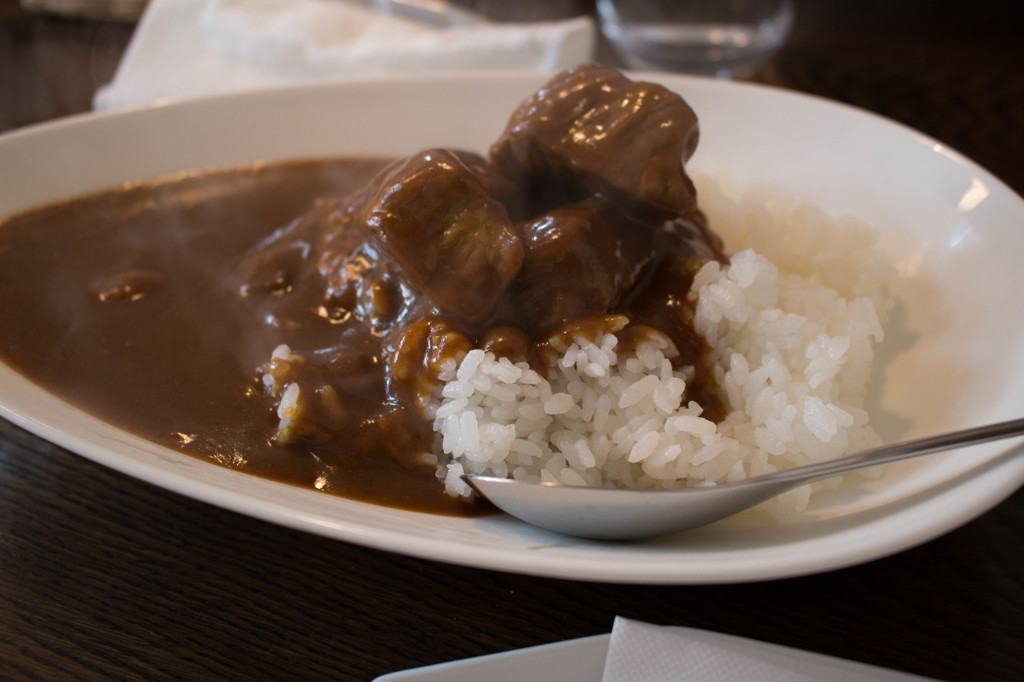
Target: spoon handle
{"x":897,"y":452}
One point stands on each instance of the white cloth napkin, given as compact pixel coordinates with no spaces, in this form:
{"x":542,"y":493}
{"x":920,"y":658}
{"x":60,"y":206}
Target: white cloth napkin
{"x":641,"y":652}
{"x":189,"y":48}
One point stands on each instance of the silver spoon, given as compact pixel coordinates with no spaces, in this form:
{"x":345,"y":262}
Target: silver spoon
{"x":623,"y":514}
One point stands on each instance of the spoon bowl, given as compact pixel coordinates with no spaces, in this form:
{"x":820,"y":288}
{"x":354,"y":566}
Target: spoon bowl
{"x":628,"y":514}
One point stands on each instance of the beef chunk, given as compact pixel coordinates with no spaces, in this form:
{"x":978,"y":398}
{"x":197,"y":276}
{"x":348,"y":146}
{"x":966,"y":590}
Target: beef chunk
{"x":581,"y":260}
{"x":593,"y":131}
{"x":450,"y":239}
{"x":495,"y":184}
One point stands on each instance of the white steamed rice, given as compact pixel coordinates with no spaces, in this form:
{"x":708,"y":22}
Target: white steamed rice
{"x":791,"y":320}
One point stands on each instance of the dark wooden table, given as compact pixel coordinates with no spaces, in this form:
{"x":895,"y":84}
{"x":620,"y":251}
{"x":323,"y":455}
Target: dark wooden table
{"x":103,"y":577}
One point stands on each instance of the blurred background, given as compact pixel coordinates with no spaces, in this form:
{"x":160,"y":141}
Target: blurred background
{"x":54,"y":54}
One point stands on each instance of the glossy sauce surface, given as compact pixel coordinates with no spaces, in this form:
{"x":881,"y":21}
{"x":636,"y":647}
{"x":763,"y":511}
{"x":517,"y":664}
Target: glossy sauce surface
{"x":127,"y":304}
{"x":291,"y":320}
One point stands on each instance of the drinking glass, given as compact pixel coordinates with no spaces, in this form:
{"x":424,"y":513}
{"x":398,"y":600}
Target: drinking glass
{"x":726,"y":38}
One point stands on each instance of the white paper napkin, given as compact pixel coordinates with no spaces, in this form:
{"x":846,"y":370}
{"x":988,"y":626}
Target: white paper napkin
{"x":641,"y":652}
{"x":188,"y":48}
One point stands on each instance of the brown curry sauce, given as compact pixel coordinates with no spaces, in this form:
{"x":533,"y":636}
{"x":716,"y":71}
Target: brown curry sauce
{"x":177,"y":364}
{"x":154,"y":306}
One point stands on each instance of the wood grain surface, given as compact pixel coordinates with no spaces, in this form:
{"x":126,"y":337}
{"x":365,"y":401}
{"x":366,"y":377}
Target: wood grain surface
{"x":103,"y":577}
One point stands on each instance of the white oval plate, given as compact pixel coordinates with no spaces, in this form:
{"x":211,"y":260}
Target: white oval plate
{"x":953,"y":359}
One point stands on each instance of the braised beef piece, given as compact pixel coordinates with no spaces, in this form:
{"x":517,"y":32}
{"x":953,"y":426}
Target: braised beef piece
{"x":432,"y":217}
{"x":688,"y":236}
{"x":581,"y":260}
{"x":512,"y":196}
{"x":433,"y":234}
{"x":592,"y":131}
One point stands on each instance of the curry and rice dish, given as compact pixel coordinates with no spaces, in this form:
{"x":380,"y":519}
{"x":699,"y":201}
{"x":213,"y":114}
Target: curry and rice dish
{"x":559,"y":309}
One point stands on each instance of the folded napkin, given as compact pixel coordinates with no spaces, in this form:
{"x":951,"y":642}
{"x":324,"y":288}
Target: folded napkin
{"x":189,"y":48}
{"x":641,"y":652}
